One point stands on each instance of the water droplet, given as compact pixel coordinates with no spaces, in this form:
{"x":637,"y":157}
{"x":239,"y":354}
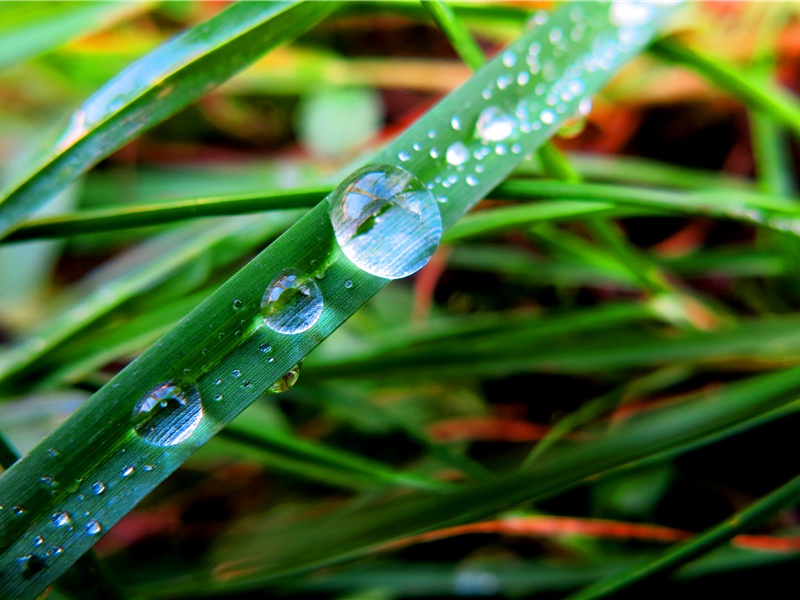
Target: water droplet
{"x":472,"y":180}
{"x":236,"y":373}
{"x":348,"y":283}
{"x":629,"y":14}
{"x":431,"y":134}
{"x":292,"y":302}
{"x":93,"y":528}
{"x":38,"y":540}
{"x":147,"y":468}
{"x":548,"y":117}
{"x":56,"y":551}
{"x":555,"y":35}
{"x":237,"y":304}
{"x":126,"y":471}
{"x":53,"y":452}
{"x":434,"y":153}
{"x":217,"y":397}
{"x":245,"y":384}
{"x":403,"y":155}
{"x":494,"y":124}
{"x":416,"y":146}
{"x":585,"y":106}
{"x":98,"y":487}
{"x":457,"y":154}
{"x":455,"y":123}
{"x":270,"y":359}
{"x":17,"y":510}
{"x":386,"y":221}
{"x":502,"y":82}
{"x":217,"y":381}
{"x":168,"y":414}
{"x":61,"y":519}
{"x":48,"y":482}
{"x":265,"y":348}
{"x":286,"y":381}
{"x":509,"y":58}
{"x":523,"y":78}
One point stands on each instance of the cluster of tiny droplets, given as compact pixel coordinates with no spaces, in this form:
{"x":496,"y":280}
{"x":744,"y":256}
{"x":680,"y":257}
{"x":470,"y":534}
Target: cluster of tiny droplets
{"x":545,"y":96}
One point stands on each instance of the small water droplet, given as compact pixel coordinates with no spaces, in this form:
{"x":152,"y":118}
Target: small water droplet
{"x":472,"y":180}
{"x":61,"y":519}
{"x":286,"y":381}
{"x":236,"y":373}
{"x":270,"y":359}
{"x":48,"y":482}
{"x":403,"y":155}
{"x":386,"y":221}
{"x":217,"y":397}
{"x":292,"y":302}
{"x":237,"y":304}
{"x":455,"y":123}
{"x":265,"y":348}
{"x":548,"y":117}
{"x":168,"y":414}
{"x":495,"y":125}
{"x":416,"y":146}
{"x":555,"y":35}
{"x":217,"y":381}
{"x":56,"y":551}
{"x":585,"y":106}
{"x":502,"y":82}
{"x":93,"y":528}
{"x":245,"y":384}
{"x":147,"y":468}
{"x":629,"y":14}
{"x":127,"y":471}
{"x":457,"y":154}
{"x":509,"y":58}
{"x":221,"y":335}
{"x":17,"y":510}
{"x":431,"y":134}
{"x":98,"y":487}
{"x":523,"y":78}
{"x":348,"y":283}
{"x":53,"y":452}
{"x":38,"y":540}
{"x":434,"y":153}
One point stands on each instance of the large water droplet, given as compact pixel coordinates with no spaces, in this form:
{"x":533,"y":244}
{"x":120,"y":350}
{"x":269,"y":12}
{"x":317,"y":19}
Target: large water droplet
{"x":292,"y":303}
{"x":386,"y":221}
{"x":286,"y":381}
{"x":93,"y":528}
{"x":495,"y":125}
{"x":168,"y":414}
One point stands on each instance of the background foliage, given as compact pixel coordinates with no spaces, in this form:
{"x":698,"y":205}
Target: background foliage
{"x":587,"y":373}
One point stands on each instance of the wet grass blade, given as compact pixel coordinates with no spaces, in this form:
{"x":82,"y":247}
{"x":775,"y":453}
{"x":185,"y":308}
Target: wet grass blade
{"x":158,"y":86}
{"x":223,"y":348}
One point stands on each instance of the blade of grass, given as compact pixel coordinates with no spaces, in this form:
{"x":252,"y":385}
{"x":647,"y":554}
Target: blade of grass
{"x":158,"y":86}
{"x":685,"y":552}
{"x":98,"y":441}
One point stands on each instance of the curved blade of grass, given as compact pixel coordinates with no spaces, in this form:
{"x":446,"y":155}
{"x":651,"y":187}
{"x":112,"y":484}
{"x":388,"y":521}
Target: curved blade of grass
{"x":245,"y":561}
{"x":226,"y":333}
{"x":31,"y":28}
{"x":682,"y":553}
{"x":157,"y":86}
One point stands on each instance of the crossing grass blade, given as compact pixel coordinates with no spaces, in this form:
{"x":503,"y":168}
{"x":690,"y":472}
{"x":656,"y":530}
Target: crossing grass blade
{"x":156,"y":87}
{"x":223,"y":347}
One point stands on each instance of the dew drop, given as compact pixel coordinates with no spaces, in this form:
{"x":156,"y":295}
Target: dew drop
{"x":17,"y":510}
{"x":237,"y":304}
{"x":38,"y":540}
{"x":629,"y":14}
{"x":53,"y":452}
{"x":217,"y":397}
{"x":585,"y":107}
{"x":495,"y":125}
{"x":217,"y":381}
{"x":431,"y":134}
{"x":48,"y":482}
{"x":455,"y":123}
{"x":548,"y":117}
{"x":523,"y":78}
{"x":348,"y":283}
{"x":98,"y":487}
{"x":472,"y":180}
{"x":126,"y":471}
{"x":292,"y":302}
{"x":93,"y":528}
{"x":434,"y":153}
{"x":386,"y":221}
{"x":168,"y":414}
{"x":147,"y":468}
{"x":403,"y":155}
{"x":265,"y":348}
{"x":509,"y":58}
{"x":457,"y":154}
{"x":236,"y":373}
{"x":286,"y":381}
{"x":61,"y":519}
{"x":555,"y":35}
{"x":416,"y":146}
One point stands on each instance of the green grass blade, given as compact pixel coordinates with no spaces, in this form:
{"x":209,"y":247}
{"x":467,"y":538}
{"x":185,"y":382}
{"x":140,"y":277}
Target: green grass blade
{"x":31,"y":28}
{"x":245,"y":561}
{"x":744,"y":520}
{"x":158,"y":86}
{"x":221,"y":346}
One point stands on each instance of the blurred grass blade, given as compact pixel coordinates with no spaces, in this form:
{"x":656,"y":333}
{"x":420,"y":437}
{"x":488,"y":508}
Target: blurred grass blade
{"x":31,"y":28}
{"x":682,"y":553}
{"x":245,"y":561}
{"x":157,"y":86}
{"x":223,"y":348}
